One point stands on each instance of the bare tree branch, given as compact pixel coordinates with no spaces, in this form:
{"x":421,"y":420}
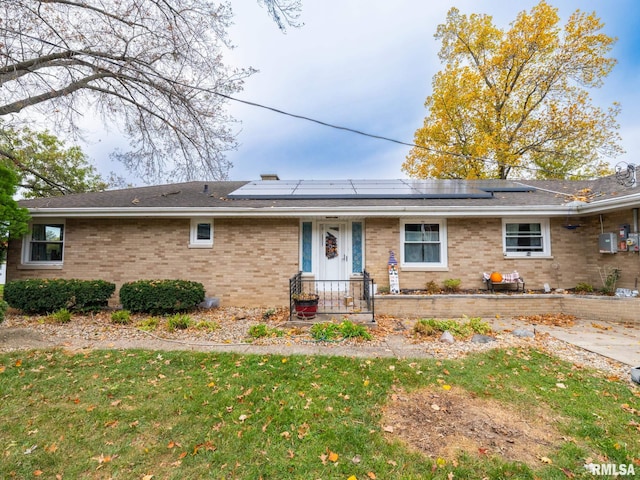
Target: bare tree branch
{"x":154,"y":68}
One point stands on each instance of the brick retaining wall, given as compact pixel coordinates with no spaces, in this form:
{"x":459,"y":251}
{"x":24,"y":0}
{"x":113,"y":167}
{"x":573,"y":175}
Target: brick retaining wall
{"x":591,"y":308}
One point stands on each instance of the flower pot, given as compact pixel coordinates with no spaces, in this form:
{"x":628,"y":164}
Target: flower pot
{"x":306,"y":309}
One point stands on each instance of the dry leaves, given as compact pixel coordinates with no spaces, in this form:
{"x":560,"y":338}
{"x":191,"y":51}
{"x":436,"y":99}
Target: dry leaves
{"x":555,"y":319}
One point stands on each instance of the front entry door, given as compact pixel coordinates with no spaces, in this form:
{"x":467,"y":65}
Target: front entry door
{"x":334,"y":254}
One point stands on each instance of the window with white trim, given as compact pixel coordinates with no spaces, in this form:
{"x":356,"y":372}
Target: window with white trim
{"x":424,"y":244}
{"x":526,"y":238}
{"x":201,"y":235}
{"x":44,"y":244}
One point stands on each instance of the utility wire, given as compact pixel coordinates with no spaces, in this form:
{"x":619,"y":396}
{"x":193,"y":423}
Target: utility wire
{"x":330,"y":125}
{"x":380,"y":137}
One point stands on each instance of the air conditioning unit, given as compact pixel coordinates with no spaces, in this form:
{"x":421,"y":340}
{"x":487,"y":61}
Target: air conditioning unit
{"x":608,"y":243}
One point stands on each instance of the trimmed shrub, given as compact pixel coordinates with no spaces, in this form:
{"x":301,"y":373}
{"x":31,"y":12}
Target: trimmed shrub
{"x":161,"y":296}
{"x":44,"y":296}
{"x":90,"y":295}
{"x":3,"y":309}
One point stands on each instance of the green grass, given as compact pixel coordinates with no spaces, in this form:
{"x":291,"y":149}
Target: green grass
{"x":175,"y":415}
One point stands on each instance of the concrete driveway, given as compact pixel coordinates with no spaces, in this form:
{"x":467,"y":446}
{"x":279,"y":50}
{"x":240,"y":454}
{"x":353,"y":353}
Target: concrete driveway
{"x":620,"y":342}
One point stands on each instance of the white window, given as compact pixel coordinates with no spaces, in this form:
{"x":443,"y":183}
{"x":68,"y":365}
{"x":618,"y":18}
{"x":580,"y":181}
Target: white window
{"x":424,"y":244}
{"x":201,"y":235}
{"x":44,"y":244}
{"x":526,"y":238}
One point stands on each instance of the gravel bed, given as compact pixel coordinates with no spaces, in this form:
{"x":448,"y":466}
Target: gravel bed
{"x":230,"y":327}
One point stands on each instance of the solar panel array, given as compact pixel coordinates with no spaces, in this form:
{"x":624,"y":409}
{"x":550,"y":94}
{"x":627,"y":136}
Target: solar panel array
{"x":393,"y":189}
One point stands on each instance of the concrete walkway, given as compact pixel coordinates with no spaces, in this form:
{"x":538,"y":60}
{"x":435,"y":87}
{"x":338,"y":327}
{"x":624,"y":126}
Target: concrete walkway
{"x":616,"y":341}
{"x":613,"y":340}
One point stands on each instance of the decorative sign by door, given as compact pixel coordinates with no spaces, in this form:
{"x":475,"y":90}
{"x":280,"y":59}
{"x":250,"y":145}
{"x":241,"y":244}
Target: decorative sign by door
{"x":394,"y":282}
{"x":330,"y":245}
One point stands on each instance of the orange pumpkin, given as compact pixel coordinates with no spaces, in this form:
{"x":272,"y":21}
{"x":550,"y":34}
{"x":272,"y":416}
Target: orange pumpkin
{"x":496,"y":277}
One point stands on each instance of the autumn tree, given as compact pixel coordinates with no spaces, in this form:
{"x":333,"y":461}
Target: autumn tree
{"x":154,"y":68}
{"x":515,"y":103}
{"x":13,"y":219}
{"x":45,"y":166}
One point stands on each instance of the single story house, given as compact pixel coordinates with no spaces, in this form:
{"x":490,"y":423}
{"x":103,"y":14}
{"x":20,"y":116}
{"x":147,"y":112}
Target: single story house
{"x":244,"y":240}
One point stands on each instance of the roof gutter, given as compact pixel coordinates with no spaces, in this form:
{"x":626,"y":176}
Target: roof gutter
{"x":296,"y":212}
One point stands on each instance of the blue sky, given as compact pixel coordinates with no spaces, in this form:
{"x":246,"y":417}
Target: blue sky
{"x":368,"y":66}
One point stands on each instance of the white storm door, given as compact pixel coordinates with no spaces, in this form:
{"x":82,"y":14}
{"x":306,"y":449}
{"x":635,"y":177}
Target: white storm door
{"x":334,"y":254}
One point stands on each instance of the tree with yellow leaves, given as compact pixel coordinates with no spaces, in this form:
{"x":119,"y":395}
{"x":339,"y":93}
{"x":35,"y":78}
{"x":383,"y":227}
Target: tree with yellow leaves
{"x":515,"y":103}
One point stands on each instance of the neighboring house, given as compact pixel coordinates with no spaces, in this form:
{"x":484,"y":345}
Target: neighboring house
{"x":244,"y":240}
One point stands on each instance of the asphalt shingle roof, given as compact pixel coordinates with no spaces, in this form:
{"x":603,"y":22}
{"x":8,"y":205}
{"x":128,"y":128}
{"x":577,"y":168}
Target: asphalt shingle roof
{"x":214,"y":195}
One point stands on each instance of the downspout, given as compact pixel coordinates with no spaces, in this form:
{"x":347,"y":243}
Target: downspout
{"x":635,"y":220}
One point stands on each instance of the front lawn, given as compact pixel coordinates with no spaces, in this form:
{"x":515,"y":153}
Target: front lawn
{"x":177,"y":415}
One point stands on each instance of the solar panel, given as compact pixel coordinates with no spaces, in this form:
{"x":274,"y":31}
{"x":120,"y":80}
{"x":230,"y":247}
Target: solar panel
{"x":396,"y":189}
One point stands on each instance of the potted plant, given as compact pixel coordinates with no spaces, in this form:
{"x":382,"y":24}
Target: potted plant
{"x":306,"y":304}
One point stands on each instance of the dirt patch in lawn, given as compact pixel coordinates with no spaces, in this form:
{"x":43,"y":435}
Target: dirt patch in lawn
{"x":443,"y":424}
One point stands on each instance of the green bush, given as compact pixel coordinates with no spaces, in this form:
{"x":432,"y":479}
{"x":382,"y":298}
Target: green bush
{"x":44,"y":296}
{"x":432,"y":287}
{"x":324,"y":331}
{"x":179,"y":322}
{"x":261,"y":330}
{"x":457,"y":328}
{"x":207,"y":325}
{"x":423,"y":328}
{"x":61,"y":316}
{"x":332,"y":331}
{"x":348,"y":329}
{"x":149,"y":324}
{"x":121,"y":317}
{"x":479,"y":326}
{"x":584,"y":287}
{"x":161,"y":296}
{"x":3,"y":309}
{"x":452,"y":284}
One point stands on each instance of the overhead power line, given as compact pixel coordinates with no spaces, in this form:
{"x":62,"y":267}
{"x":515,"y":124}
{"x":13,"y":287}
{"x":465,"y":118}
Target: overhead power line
{"x":370,"y":135}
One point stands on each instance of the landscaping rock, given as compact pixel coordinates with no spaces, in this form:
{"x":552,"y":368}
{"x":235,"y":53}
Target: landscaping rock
{"x":210,"y":302}
{"x":477,"y":338}
{"x":447,"y":337}
{"x":523,"y":333}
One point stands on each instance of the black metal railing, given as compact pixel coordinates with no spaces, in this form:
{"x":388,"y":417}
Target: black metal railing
{"x":335,"y":297}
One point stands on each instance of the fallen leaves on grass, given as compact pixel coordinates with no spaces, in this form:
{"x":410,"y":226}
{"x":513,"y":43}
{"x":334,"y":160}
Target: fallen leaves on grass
{"x":328,"y":456}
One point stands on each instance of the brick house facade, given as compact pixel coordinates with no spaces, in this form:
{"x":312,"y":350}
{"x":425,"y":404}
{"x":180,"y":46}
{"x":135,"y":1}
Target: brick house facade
{"x":243,"y":247}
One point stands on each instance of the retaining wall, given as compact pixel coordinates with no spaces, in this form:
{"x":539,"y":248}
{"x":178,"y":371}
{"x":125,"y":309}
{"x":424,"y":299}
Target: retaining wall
{"x":591,"y":308}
